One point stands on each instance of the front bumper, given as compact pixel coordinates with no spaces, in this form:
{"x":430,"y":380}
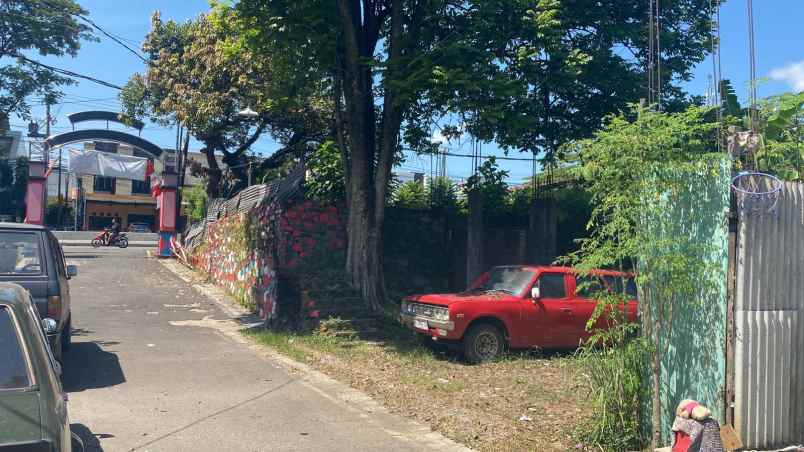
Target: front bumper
{"x":435,"y":328}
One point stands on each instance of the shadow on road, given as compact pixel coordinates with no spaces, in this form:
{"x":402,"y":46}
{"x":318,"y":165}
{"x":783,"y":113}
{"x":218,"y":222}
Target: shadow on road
{"x":70,"y":255}
{"x":91,"y":440}
{"x":88,"y":366}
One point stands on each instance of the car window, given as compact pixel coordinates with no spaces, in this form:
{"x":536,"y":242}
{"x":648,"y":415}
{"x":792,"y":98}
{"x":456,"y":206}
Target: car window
{"x":20,"y":253}
{"x":631,"y":288}
{"x":587,"y":286}
{"x":13,"y":362}
{"x":616,"y":284}
{"x":58,"y":256}
{"x":511,"y":280}
{"x":551,"y":285}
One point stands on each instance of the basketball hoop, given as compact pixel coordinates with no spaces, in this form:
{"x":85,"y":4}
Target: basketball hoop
{"x":757,"y":193}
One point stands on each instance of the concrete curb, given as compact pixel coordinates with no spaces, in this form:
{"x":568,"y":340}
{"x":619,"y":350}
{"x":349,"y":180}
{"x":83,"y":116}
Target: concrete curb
{"x":89,"y":243}
{"x":369,"y":409}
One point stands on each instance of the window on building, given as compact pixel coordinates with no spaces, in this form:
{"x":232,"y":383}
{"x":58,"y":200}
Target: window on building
{"x":141,"y":187}
{"x":105,"y":184}
{"x":106,"y":146}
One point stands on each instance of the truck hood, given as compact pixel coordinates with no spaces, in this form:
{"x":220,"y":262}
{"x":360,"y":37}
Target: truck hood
{"x":452,"y":298}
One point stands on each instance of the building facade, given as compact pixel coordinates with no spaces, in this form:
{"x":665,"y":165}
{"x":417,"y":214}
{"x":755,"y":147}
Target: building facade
{"x":103,"y":198}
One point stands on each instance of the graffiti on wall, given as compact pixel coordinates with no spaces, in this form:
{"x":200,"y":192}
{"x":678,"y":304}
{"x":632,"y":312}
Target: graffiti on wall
{"x":246,"y":253}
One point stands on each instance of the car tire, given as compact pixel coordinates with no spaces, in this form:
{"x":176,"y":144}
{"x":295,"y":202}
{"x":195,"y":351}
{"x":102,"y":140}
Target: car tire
{"x":67,"y":335}
{"x":483,"y":343}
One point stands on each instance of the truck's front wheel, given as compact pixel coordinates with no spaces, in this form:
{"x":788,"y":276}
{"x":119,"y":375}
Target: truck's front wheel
{"x":483,"y":343}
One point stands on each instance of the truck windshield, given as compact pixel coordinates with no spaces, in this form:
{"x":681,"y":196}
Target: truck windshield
{"x":13,"y":365}
{"x":512,"y":280}
{"x":19,"y":253}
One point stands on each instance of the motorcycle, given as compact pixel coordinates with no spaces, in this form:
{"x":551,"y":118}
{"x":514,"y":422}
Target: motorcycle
{"x":102,"y":239}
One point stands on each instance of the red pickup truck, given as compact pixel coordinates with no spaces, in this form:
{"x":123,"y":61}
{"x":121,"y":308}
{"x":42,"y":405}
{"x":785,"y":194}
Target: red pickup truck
{"x":518,"y":307}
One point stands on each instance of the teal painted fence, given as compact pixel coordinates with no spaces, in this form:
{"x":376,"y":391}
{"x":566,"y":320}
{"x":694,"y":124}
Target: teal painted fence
{"x":682,"y":270}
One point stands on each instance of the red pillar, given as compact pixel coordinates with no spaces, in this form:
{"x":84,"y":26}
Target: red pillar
{"x":35,"y":195}
{"x":166,"y":203}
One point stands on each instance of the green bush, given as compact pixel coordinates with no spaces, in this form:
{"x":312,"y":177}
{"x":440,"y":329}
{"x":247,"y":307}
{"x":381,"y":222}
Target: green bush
{"x":196,"y":199}
{"x":412,"y":195}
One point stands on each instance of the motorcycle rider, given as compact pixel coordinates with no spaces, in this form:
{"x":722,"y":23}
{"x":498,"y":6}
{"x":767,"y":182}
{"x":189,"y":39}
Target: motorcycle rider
{"x":115,"y":230}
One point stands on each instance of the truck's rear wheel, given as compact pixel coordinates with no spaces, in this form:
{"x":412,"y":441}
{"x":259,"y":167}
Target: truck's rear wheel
{"x":483,"y":343}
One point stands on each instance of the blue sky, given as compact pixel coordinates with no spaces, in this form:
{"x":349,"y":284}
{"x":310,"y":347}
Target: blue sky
{"x":780,"y":61}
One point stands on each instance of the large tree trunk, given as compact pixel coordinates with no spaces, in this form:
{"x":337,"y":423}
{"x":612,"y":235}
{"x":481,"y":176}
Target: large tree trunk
{"x":213,"y":173}
{"x":238,"y":172}
{"x":369,"y":159}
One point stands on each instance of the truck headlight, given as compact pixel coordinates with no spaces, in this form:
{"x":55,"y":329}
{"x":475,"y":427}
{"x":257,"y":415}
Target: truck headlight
{"x":441,"y":314}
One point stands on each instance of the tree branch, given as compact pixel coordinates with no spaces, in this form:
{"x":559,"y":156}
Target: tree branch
{"x":245,"y":145}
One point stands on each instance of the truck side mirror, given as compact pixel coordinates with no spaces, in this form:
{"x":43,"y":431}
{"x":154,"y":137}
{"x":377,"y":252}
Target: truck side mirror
{"x":72,"y":271}
{"x":535,"y":293}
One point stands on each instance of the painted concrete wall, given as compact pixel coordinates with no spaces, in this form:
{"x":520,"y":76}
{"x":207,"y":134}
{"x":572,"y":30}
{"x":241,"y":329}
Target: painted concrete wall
{"x":687,"y":215}
{"x":248,"y":254}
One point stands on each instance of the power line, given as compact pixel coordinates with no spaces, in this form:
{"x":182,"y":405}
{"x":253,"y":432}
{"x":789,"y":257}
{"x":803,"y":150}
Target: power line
{"x":69,"y":73}
{"x":113,"y":38}
{"x":88,"y":101}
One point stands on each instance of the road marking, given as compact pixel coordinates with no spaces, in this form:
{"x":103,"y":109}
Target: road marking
{"x":192,"y":305}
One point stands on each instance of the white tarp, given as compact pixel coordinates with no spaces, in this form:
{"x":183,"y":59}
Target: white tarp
{"x":106,"y":164}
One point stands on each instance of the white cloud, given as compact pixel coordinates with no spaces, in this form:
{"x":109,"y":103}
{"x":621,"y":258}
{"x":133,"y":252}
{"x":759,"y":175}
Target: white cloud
{"x":438,"y":137}
{"x":793,"y":74}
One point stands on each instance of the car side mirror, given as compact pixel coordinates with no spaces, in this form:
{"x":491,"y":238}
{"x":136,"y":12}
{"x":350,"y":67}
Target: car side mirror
{"x":535,"y":293}
{"x":57,"y":368}
{"x":50,"y":326}
{"x":72,"y":271}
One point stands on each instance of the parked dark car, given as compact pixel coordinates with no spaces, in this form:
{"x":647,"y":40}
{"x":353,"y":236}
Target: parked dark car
{"x":33,"y":405}
{"x":32,"y":257}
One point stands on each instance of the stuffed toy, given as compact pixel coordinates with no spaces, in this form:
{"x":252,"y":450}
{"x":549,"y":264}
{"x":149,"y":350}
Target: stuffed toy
{"x":690,"y":409}
{"x":694,"y":430}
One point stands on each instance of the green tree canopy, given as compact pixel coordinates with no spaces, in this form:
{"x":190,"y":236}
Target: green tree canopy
{"x":529,"y":74}
{"x":198,"y":75}
{"x":46,"y":27}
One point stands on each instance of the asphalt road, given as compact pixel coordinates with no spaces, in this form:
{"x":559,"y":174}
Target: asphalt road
{"x":149,"y":371}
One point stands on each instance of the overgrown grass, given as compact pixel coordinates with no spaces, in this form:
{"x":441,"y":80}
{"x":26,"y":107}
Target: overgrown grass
{"x":613,"y":376}
{"x":525,"y":401}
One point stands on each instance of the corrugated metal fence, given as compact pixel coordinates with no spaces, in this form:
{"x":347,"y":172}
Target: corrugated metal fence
{"x":769,"y":324}
{"x":244,"y":202}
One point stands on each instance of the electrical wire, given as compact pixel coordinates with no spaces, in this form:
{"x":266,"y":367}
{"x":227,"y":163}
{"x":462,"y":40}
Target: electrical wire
{"x":69,"y":73}
{"x":113,"y":38}
{"x":752,"y":62}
